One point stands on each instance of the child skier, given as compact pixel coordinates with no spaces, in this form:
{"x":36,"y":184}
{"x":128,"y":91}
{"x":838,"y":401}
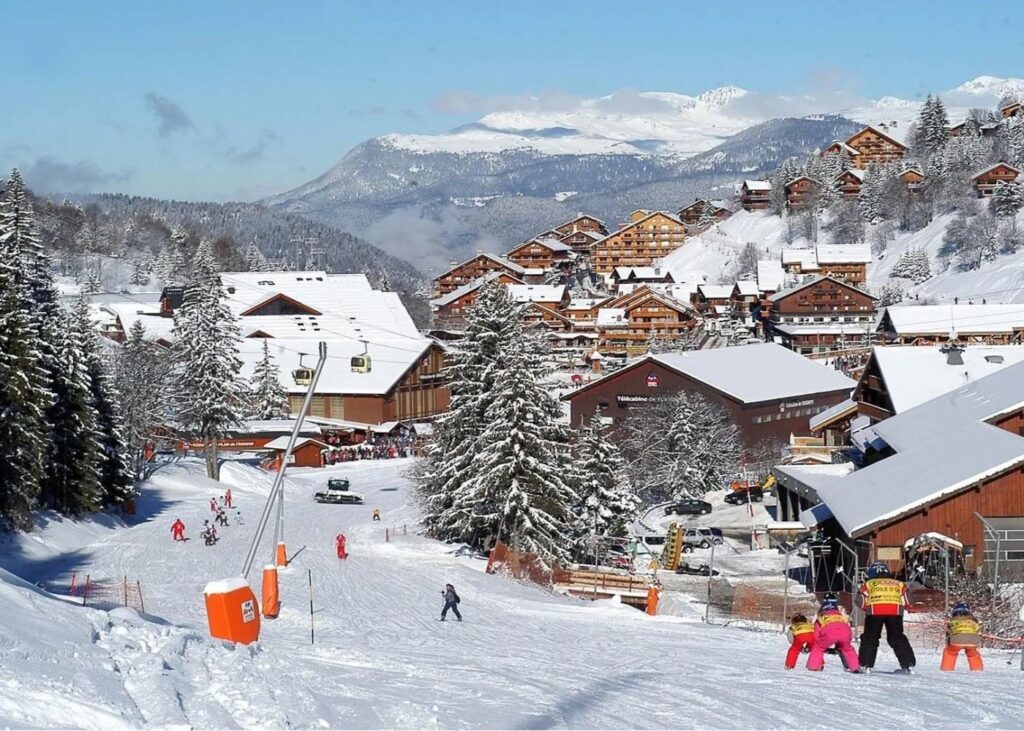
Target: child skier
{"x":213,"y":505}
{"x":451,"y":601}
{"x":962,"y":632}
{"x":222,"y":517}
{"x":178,"y":530}
{"x":227,"y":498}
{"x":209,"y":533}
{"x":832,"y":628}
{"x":801,"y":637}
{"x":376,"y":513}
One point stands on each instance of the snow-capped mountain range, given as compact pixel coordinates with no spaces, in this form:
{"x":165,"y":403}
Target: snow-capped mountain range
{"x":515,"y":171}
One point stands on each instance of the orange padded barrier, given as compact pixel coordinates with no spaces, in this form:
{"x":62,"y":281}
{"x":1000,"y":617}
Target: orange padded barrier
{"x":281,"y":556}
{"x":232,"y":611}
{"x":652,"y":600}
{"x":271,"y":598}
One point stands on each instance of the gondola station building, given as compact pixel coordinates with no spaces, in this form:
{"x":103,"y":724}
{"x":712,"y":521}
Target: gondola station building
{"x":768,"y":391}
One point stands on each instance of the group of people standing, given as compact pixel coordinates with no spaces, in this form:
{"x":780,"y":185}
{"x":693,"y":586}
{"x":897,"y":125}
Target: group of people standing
{"x":883,"y":598}
{"x":219,"y":507}
{"x":383,"y":448}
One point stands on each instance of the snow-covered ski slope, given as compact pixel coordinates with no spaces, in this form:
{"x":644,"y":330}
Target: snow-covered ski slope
{"x":714,"y":253}
{"x":522,"y":658}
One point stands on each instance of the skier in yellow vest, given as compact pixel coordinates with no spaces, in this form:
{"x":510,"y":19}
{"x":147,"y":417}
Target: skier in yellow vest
{"x":883,"y":599}
{"x":962,"y":633}
{"x":801,"y":637}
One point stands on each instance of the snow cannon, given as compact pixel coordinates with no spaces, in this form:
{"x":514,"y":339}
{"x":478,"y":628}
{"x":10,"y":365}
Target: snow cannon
{"x":271,"y":596}
{"x":231,"y":611}
{"x":281,"y":555}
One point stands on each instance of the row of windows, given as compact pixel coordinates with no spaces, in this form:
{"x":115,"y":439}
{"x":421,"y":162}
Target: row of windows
{"x":791,"y":414}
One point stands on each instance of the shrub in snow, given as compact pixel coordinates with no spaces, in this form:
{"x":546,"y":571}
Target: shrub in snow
{"x":913,"y":265}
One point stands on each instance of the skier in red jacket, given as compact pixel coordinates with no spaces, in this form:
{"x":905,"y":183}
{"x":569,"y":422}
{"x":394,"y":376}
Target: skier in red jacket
{"x":227,"y":497}
{"x":178,"y":530}
{"x":340,"y":543}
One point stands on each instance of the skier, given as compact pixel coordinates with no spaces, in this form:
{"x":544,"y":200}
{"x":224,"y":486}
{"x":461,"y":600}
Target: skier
{"x":222,"y":517}
{"x":832,"y":629}
{"x":883,"y":599}
{"x":451,"y":601}
{"x":213,"y":505}
{"x":801,"y":637}
{"x":227,"y":498}
{"x":376,"y":513}
{"x":339,"y":542}
{"x":209,"y":533}
{"x":962,"y":632}
{"x":178,"y":530}
{"x":238,"y":518}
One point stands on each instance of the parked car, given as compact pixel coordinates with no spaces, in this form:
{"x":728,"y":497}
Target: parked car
{"x":740,"y":497}
{"x":338,"y":493}
{"x":689,"y":506}
{"x":702,"y":538}
{"x":702,"y":570}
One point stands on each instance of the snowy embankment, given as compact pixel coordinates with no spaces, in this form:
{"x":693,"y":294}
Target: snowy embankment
{"x":522,"y":659}
{"x":714,"y":253}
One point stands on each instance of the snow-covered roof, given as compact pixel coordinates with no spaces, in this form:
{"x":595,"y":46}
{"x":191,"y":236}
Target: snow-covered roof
{"x":806,"y":258}
{"x":641,"y":272}
{"x":990,"y":168}
{"x":757,"y":184}
{"x":584,"y":303}
{"x":715,"y":291}
{"x":548,"y":242}
{"x":610,"y":316}
{"x":157,"y":327}
{"x":747,"y":287}
{"x":390,"y":360}
{"x":914,"y":374}
{"x":757,"y":373}
{"x":511,"y":265}
{"x":536,"y":292}
{"x":770,"y":275}
{"x":855,"y":172}
{"x":880,"y":133}
{"x":844,"y":254}
{"x":284,"y":426}
{"x":845,"y":147}
{"x":282,"y":442}
{"x":810,"y":283}
{"x":965,"y":319}
{"x":823,"y":418}
{"x":455,"y":294}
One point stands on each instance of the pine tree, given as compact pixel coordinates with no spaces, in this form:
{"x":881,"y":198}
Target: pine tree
{"x":707,"y":216}
{"x":876,"y":192}
{"x":890,"y":294}
{"x":169,"y":266}
{"x":703,"y":445}
{"x":932,"y":128}
{"x":605,"y":502}
{"x":211,"y":392}
{"x":255,"y":260}
{"x":1006,"y":199}
{"x":93,"y":284}
{"x":914,"y":265}
{"x":140,"y":273}
{"x":141,"y":378}
{"x":268,"y":398}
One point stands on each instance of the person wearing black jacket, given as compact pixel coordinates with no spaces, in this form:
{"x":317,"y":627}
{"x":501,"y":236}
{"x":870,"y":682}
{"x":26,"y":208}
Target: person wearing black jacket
{"x":451,"y":601}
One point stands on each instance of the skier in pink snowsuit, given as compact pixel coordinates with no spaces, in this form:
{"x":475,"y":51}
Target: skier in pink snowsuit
{"x":213,"y":505}
{"x":227,"y":497}
{"x":832,"y":628}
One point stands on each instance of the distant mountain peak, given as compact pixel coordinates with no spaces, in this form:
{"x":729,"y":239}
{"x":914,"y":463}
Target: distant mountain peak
{"x":721,"y":96}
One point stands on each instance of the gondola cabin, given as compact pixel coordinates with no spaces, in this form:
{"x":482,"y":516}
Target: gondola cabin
{"x":361,"y":364}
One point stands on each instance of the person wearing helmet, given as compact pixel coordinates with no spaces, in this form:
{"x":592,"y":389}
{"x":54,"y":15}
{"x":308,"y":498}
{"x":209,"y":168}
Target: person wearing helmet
{"x":801,"y":637}
{"x":962,"y":633}
{"x":883,"y":599}
{"x":832,"y":629}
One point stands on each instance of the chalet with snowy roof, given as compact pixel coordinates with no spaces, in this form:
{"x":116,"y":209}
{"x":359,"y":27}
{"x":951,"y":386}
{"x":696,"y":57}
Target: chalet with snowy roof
{"x":745,"y":297}
{"x":986,"y":181}
{"x":821,"y":316}
{"x":641,"y":275}
{"x":626,"y":323}
{"x":583,"y":310}
{"x":801,"y":191}
{"x":648,"y":236}
{"x":912,"y":179}
{"x":968,"y":324}
{"x":849,"y":183}
{"x":552,"y":296}
{"x":755,"y":195}
{"x":799,"y":261}
{"x":874,"y":146}
{"x":450,"y":309}
{"x":1010,"y":110}
{"x":839,"y":147}
{"x":951,"y":467}
{"x":716,"y":210}
{"x":582,"y":222}
{"x":770,"y":276}
{"x":535,"y":314}
{"x":767,"y":391}
{"x":581,"y":241}
{"x":848,"y":262}
{"x":546,"y":254}
{"x":713,"y":300}
{"x":474,"y":268}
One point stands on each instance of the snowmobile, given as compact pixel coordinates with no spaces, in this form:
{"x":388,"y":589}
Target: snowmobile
{"x":338,"y":493}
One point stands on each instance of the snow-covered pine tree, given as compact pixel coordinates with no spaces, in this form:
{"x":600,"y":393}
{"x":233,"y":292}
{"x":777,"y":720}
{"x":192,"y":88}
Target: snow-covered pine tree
{"x":914,"y":265}
{"x":605,"y":502}
{"x":255,"y":260}
{"x":452,"y":454}
{"x":876,"y":192}
{"x":170,"y":266}
{"x":72,"y":480}
{"x":115,"y":470}
{"x":1013,"y":139}
{"x":211,"y":392}
{"x":788,"y":169}
{"x":141,"y":377}
{"x":140,"y":273}
{"x":520,"y":494}
{"x":707,"y":216}
{"x":644,"y":447}
{"x":268,"y":398}
{"x":1006,"y":199}
{"x":703,"y":445}
{"x":92,"y":284}
{"x":932,"y":128}
{"x":890,"y":294}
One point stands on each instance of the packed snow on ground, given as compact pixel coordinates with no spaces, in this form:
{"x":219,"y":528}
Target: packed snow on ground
{"x":522,"y":659}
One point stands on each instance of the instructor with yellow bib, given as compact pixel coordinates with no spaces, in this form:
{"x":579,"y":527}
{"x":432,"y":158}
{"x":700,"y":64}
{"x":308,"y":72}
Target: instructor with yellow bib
{"x":883,"y":599}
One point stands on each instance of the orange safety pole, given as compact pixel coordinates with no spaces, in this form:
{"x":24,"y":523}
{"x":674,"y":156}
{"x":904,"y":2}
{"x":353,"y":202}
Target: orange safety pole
{"x":652,"y":600}
{"x":126,"y":591}
{"x":271,"y":596}
{"x":142,"y":603}
{"x":281,"y":556}
{"x":74,"y":584}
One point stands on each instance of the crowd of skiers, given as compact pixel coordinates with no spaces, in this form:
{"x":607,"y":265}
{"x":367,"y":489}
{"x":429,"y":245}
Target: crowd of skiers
{"x":385,"y":448}
{"x":883,"y":599}
{"x":219,"y":507}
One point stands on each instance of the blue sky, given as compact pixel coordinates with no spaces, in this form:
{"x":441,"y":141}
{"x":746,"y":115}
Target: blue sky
{"x":234,"y":100}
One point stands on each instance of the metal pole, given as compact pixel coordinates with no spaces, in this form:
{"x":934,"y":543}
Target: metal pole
{"x":946,"y":554}
{"x":309,"y":573}
{"x":278,"y":480}
{"x":711,"y":574}
{"x":995,"y":577}
{"x":785,"y":593}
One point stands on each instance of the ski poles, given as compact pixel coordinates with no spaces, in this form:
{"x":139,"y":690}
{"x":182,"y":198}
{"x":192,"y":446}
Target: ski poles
{"x":309,"y":573}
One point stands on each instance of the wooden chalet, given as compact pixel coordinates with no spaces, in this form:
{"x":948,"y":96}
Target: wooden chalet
{"x":755,"y":195}
{"x":641,"y":275}
{"x":847,"y":262}
{"x":450,"y":309}
{"x":822,"y":315}
{"x":849,"y":183}
{"x":581,"y":241}
{"x":649,"y":235}
{"x":472,"y":269}
{"x":1010,"y":110}
{"x":840,"y":148}
{"x":547,"y":254}
{"x":968,"y":324}
{"x":713,"y":300}
{"x":874,"y":146}
{"x":986,"y":181}
{"x":582,"y":222}
{"x":583,"y":311}
{"x":625,"y":324}
{"x":957,"y":129}
{"x":537,"y":314}
{"x":912,"y":178}
{"x":692,"y":214}
{"x":951,"y":467}
{"x":800,"y":191}
{"x":552,"y":296}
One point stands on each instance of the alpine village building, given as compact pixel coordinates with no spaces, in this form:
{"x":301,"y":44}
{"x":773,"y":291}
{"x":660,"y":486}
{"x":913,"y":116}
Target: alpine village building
{"x":821,"y":315}
{"x":648,"y":236}
{"x":472,"y":269}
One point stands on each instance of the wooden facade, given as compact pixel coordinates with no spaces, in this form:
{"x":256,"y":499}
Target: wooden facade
{"x":420,"y":393}
{"x":801,"y":191}
{"x":544,"y":254}
{"x":1010,"y":110}
{"x":912,"y":179}
{"x":874,"y":146}
{"x":821,"y":315}
{"x":850,"y":182}
{"x":691,"y":214}
{"x":647,"y":314}
{"x":986,"y":181}
{"x":580,"y":241}
{"x":582,"y":222}
{"x":472,"y":269}
{"x":648,"y":236}
{"x":755,"y":195}
{"x":546,"y":314}
{"x":453,"y":310}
